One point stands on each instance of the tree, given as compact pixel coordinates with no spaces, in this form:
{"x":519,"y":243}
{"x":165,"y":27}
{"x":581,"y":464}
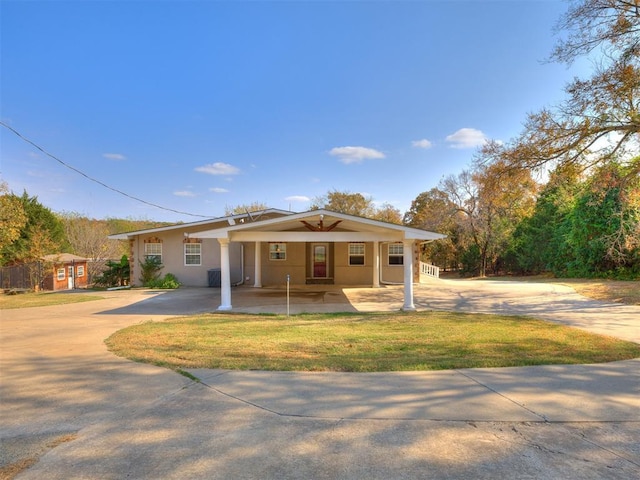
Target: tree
{"x":538,"y":243}
{"x":12,"y":217}
{"x":345,"y":202}
{"x":433,"y":210}
{"x":598,"y":122}
{"x":245,"y":208}
{"x":42,"y":234}
{"x":600,"y":119}
{"x":88,"y":237}
{"x":491,"y":200}
{"x":388,"y":213}
{"x":605,"y":223}
{"x":613,"y":25}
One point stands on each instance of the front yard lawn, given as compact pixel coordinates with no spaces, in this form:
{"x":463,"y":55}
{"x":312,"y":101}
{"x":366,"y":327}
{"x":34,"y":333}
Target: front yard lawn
{"x":43,"y":299}
{"x":363,"y":342}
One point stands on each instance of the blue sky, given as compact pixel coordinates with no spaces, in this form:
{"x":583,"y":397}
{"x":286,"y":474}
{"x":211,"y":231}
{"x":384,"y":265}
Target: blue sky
{"x":198,"y":105}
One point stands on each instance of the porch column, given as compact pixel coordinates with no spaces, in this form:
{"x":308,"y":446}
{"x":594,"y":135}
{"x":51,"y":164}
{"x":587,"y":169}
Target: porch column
{"x":257,"y":274}
{"x":376,"y":264}
{"x":225,"y":273}
{"x":407,"y":253}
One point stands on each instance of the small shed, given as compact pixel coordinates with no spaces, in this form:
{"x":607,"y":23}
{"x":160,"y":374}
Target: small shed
{"x":65,"y":271}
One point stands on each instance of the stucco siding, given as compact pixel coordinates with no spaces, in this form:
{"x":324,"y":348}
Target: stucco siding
{"x":274,"y":272}
{"x":346,"y":274}
{"x":173,"y":258}
{"x":389,"y":273}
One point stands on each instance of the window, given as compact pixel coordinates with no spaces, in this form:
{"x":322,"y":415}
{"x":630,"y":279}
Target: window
{"x":277,"y":251}
{"x":396,"y":254}
{"x":153,"y":251}
{"x":356,"y":254}
{"x":192,"y":254}
{"x":61,"y":275}
{"x":80,"y":270}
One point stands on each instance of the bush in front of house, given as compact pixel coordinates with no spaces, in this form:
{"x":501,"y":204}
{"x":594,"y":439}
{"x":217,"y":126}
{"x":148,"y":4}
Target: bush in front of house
{"x":150,"y":275}
{"x":116,"y":274}
{"x":168,"y":281}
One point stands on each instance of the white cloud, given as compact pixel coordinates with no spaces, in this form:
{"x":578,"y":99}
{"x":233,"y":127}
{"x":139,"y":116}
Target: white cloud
{"x":218,"y":168}
{"x":218,"y":190}
{"x":114,"y":156}
{"x":184,"y":193}
{"x":349,"y":155}
{"x":297,"y":198}
{"x":467,"y":138}
{"x":424,"y":143}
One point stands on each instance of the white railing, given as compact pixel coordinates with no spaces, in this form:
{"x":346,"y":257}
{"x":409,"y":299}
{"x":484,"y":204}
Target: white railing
{"x":429,"y":270}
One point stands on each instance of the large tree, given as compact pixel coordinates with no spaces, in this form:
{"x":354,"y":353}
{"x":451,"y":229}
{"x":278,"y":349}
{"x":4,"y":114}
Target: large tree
{"x":345,"y":202}
{"x":489,"y":200}
{"x":433,"y":210}
{"x":599,"y":121}
{"x":12,"y":216}
{"x":42,"y":234}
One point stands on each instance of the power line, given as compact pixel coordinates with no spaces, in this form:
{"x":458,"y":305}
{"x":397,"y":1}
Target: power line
{"x":70,"y":167}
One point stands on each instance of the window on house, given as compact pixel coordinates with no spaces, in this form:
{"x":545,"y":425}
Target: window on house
{"x":61,"y":275}
{"x":356,"y":254}
{"x":153,"y":251}
{"x":193,"y":254}
{"x":277,"y":251}
{"x":80,"y":270}
{"x":396,"y":254}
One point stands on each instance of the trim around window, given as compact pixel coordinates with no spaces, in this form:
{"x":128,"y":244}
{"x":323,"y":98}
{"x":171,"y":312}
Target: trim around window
{"x":61,"y":273}
{"x":192,"y":254}
{"x":277,"y":251}
{"x":153,"y":250}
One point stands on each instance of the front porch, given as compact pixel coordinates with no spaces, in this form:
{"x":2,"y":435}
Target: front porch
{"x":320,"y":247}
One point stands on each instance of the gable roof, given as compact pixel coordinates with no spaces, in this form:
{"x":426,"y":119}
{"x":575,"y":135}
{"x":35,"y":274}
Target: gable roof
{"x":319,"y":225}
{"x":211,"y":223}
{"x":63,"y":258}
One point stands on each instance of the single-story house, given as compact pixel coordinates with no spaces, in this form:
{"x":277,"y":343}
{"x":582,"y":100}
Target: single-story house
{"x":66,"y":272}
{"x":271,"y":247}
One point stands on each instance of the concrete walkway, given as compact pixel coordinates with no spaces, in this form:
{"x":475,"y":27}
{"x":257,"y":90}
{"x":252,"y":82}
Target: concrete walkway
{"x":113,"y":419}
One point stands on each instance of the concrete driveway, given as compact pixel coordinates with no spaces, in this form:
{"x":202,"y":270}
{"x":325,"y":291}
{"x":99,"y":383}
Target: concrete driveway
{"x":79,"y":412}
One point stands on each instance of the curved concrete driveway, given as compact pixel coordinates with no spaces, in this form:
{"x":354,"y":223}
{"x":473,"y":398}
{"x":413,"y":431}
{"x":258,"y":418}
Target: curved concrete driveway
{"x":129,"y":420}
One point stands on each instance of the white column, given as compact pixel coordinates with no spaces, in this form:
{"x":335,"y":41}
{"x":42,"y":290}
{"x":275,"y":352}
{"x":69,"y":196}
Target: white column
{"x":376,"y":264}
{"x":225,"y":272}
{"x":407,"y":253}
{"x":257,"y":274}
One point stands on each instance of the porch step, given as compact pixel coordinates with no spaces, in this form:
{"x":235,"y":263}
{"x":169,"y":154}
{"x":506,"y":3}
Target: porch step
{"x":319,"y":281}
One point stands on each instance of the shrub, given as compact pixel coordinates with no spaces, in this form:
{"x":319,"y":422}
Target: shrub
{"x":150,"y":271}
{"x":169,"y":281}
{"x":115,"y":275}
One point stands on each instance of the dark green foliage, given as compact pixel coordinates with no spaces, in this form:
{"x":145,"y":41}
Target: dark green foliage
{"x":42,"y":234}
{"x":117,"y":274}
{"x":169,"y":281}
{"x":584,"y":228}
{"x":150,"y":270}
{"x":471,"y":261}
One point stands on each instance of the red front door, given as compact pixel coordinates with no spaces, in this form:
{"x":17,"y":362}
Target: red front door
{"x":319,"y":261}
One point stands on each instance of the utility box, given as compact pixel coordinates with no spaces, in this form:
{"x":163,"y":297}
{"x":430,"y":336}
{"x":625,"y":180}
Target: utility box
{"x":215,"y":277}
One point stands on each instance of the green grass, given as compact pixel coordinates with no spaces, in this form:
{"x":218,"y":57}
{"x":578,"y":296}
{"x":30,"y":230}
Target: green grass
{"x":363,"y":342}
{"x":42,"y":299}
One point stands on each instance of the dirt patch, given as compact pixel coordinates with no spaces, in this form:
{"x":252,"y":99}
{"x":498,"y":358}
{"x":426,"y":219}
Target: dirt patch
{"x":19,"y":453}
